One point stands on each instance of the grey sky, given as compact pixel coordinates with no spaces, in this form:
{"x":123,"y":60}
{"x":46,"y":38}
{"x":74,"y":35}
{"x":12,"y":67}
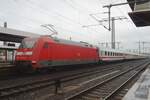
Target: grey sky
{"x":68,"y":17}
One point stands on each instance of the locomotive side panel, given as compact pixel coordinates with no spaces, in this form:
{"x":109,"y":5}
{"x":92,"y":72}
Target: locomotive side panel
{"x":63,"y":54}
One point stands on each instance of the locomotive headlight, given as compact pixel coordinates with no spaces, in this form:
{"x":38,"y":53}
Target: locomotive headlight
{"x":28,"y":53}
{"x":19,"y":53}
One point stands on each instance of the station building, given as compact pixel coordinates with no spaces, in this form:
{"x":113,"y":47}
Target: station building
{"x":9,"y":42}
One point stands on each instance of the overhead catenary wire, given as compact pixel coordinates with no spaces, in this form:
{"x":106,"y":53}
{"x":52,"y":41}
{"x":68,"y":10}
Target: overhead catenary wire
{"x":43,"y":11}
{"x":70,"y":20}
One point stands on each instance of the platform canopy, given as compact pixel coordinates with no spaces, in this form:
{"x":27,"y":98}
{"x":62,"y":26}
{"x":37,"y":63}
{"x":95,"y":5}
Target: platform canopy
{"x":131,"y":4}
{"x":12,"y":35}
{"x":140,"y":14}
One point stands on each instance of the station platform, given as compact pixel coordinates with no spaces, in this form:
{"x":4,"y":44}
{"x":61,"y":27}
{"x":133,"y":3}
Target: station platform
{"x":141,"y":89}
{"x":5,"y":65}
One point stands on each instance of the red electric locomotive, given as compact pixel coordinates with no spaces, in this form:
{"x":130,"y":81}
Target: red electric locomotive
{"x":48,"y":52}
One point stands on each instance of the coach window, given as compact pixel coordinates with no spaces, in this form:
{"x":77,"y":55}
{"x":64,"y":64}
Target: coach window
{"x":108,"y":53}
{"x":45,"y":45}
{"x":105,"y":53}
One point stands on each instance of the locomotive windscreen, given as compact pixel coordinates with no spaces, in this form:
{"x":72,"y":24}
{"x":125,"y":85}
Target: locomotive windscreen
{"x":27,"y":43}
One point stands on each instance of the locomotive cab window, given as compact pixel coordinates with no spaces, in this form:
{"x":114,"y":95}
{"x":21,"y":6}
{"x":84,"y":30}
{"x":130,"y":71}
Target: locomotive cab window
{"x":28,"y":43}
{"x":45,"y":45}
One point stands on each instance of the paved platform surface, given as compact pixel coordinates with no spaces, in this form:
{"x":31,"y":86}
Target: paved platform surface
{"x":141,"y":89}
{"x":4,"y":65}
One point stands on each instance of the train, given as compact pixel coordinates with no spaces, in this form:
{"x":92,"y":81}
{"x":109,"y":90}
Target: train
{"x":51,"y":52}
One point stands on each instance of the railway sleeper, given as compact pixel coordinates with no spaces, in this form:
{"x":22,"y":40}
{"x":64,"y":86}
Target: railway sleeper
{"x":92,"y":95}
{"x":89,"y":98}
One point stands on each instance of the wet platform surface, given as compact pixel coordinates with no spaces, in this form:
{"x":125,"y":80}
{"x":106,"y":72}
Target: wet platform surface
{"x":141,"y":89}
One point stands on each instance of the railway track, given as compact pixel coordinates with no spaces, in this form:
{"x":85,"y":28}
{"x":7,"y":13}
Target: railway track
{"x":6,"y":69}
{"x":106,"y":89}
{"x":11,"y":91}
{"x":16,"y":89}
